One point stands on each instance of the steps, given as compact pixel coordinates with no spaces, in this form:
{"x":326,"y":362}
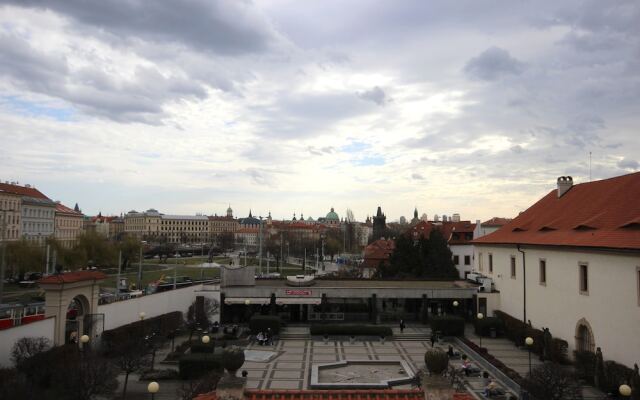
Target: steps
{"x":412,"y":337}
{"x":294,"y":333}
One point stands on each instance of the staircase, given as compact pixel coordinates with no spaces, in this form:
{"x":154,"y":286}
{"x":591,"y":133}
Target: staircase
{"x":295,"y":333}
{"x":412,"y":336}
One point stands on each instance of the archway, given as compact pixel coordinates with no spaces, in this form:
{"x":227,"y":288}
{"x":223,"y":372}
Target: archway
{"x":77,"y":309}
{"x":584,"y":336}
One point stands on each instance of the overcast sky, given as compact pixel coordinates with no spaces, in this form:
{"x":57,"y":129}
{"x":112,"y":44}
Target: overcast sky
{"x":187,"y":106}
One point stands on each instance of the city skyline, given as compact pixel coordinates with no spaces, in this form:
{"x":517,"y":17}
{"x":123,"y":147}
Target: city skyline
{"x":462,"y":108}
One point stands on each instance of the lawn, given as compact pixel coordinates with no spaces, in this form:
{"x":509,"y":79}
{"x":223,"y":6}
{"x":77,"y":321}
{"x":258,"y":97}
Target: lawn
{"x":152,"y":273}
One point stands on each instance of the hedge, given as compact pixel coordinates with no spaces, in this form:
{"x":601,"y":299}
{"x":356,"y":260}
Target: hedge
{"x":484,"y":326}
{"x":261,"y":323}
{"x":448,"y":325}
{"x":202,"y":348}
{"x":351,"y":330}
{"x":162,"y":325}
{"x":196,"y":365}
{"x":585,"y":363}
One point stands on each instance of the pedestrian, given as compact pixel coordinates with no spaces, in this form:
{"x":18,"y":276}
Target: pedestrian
{"x":401,"y":325}
{"x":433,"y":338}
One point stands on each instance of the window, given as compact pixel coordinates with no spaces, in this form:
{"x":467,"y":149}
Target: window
{"x":513,"y":267}
{"x":480,"y":261}
{"x":456,"y":260}
{"x":584,"y":278}
{"x":467,"y":260}
{"x":543,"y":271}
{"x":490,"y":263}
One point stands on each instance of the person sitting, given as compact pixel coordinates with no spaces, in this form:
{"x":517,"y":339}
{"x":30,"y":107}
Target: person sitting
{"x":260,"y":338}
{"x":451,"y":353}
{"x":491,"y":389}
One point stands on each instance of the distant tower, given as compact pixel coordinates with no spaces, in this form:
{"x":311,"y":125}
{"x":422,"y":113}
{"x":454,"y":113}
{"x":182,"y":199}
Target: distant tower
{"x":229,"y":212}
{"x":403,"y":220}
{"x":379,"y":224}
{"x":415,"y":219}
{"x":76,"y":208}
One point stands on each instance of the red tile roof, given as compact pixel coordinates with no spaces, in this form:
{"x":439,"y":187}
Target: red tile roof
{"x":378,"y":251}
{"x":61,"y":208}
{"x":22,"y":191}
{"x":497,"y":221}
{"x":408,"y":394}
{"x":600,"y":214}
{"x":71,"y":277}
{"x":424,"y":228}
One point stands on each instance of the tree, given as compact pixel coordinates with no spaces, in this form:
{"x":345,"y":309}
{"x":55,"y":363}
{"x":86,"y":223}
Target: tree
{"x":551,"y":382}
{"x":97,"y":249}
{"x":332,"y":246}
{"x":28,"y":347}
{"x":206,"y":384}
{"x":132,"y":355}
{"x":273,"y":246}
{"x":130,"y":249}
{"x":23,"y":256}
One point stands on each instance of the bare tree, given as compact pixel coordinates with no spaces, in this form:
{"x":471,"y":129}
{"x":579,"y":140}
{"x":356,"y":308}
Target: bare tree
{"x":132,"y":355}
{"x":551,"y":382}
{"x":28,"y":347}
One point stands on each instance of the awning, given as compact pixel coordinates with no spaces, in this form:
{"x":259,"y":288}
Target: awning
{"x":247,"y":300}
{"x":299,"y":300}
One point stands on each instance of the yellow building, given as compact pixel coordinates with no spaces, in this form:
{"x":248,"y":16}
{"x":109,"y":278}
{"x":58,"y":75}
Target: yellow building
{"x":10,"y":211}
{"x":68,"y":225}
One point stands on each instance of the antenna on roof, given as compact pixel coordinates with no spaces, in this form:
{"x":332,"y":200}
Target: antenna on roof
{"x":589,"y":166}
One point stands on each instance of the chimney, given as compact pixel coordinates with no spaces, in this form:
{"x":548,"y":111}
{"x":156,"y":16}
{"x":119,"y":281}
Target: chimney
{"x":564,"y":184}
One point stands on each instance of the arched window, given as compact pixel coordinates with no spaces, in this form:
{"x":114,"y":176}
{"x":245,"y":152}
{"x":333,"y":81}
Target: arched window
{"x":584,"y":336}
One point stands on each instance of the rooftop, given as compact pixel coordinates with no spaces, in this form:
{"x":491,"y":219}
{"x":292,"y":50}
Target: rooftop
{"x":28,"y":191}
{"x":368,"y":283}
{"x":407,"y":394}
{"x":71,"y":277}
{"x":600,"y":214}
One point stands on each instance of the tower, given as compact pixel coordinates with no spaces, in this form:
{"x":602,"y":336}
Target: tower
{"x":379,"y":224}
{"x":229,"y":212}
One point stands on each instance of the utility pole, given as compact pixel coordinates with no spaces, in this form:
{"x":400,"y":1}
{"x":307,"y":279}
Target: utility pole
{"x":139,"y":283}
{"x":260,"y":242}
{"x":119,"y":271}
{"x":281,"y":260}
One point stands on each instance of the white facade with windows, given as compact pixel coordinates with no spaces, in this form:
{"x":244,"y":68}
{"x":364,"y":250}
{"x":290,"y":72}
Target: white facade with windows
{"x":462,"y":258}
{"x":38,"y":216}
{"x":588,"y":298}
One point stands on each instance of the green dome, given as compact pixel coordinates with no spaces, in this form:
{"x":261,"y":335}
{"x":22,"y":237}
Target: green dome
{"x":332,"y":216}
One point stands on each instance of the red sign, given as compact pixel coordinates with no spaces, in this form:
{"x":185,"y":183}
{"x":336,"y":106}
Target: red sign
{"x":297,"y":292}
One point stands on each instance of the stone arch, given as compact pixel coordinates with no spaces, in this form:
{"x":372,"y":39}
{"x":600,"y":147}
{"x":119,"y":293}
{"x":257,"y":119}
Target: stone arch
{"x":77,"y":309}
{"x":585,"y":340}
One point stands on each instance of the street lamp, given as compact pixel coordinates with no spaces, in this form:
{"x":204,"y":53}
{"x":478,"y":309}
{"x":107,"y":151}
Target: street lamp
{"x":625,"y":390}
{"x":529,"y":342}
{"x":480,"y":316}
{"x":153,"y":388}
{"x":205,"y":339}
{"x":142,"y":315}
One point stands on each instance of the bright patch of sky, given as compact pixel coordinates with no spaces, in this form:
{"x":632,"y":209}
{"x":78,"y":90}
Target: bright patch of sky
{"x":463,"y":107}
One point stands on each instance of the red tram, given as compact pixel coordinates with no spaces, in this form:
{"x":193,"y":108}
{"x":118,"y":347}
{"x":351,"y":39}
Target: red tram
{"x":19,"y":314}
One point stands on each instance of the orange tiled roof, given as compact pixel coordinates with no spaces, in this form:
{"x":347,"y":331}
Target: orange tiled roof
{"x":412,"y":394}
{"x":71,"y":277}
{"x":600,"y":214}
{"x":61,"y":208}
{"x":424,"y":228}
{"x":22,"y":191}
{"x":377,"y":251}
{"x":497,"y":221}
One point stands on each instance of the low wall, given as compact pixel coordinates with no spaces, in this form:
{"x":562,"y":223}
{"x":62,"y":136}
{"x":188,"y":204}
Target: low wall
{"x":128,"y":311}
{"x":43,"y":328}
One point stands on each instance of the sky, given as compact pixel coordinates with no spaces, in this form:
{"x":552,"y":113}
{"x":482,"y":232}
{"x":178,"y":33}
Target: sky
{"x":287,"y":107}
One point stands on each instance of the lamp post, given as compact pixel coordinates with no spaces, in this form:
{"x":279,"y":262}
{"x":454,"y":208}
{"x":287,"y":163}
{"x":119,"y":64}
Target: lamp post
{"x":142,"y":314}
{"x":455,"y":307}
{"x":480,"y":316}
{"x":625,"y":390}
{"x":529,"y":342}
{"x":205,"y":340}
{"x":153,"y":388}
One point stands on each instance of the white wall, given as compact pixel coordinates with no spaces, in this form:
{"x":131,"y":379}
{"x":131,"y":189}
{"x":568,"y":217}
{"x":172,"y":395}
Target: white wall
{"x":43,"y":328}
{"x":612,"y":306}
{"x":461,"y":251}
{"x":128,"y":311}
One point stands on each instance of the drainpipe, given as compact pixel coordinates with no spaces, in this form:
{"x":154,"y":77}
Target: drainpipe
{"x":524,"y":286}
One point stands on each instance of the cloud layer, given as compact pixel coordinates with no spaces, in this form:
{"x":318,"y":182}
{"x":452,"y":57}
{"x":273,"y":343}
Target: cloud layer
{"x":189,"y":105}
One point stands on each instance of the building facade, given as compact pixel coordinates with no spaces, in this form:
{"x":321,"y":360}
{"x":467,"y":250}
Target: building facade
{"x":571,"y":262}
{"x":68,"y":225}
{"x":10,"y":214}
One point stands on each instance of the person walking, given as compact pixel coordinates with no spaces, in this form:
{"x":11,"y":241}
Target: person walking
{"x":401,"y":325}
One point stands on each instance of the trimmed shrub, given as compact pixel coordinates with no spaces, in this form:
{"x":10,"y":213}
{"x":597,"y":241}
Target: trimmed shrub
{"x":162,"y":325}
{"x":484,"y":326}
{"x":615,"y":374}
{"x":261,"y":323}
{"x":202,"y":348}
{"x":585,"y":363}
{"x":448,"y":325}
{"x":351,"y":330}
{"x":437,"y":361}
{"x":195,"y":365}
{"x":232,"y":359}
{"x":560,"y":351}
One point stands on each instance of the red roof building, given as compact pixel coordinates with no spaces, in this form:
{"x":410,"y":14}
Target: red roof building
{"x":496,"y":221}
{"x":71,"y":277}
{"x":454,"y":232}
{"x":373,"y":394}
{"x":600,"y":214}
{"x":377,"y":252}
{"x":27,"y":190}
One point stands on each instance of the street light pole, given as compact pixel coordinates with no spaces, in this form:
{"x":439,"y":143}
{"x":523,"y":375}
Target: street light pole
{"x":529,"y":342}
{"x":480,"y":316}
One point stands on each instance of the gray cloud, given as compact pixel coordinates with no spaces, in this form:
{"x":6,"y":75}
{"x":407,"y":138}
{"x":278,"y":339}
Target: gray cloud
{"x":492,"y":64}
{"x":219,"y":26}
{"x":627,"y":163}
{"x":416,"y":176}
{"x":375,"y":94}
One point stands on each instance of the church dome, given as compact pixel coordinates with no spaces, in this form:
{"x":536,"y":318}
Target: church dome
{"x":332,"y":216}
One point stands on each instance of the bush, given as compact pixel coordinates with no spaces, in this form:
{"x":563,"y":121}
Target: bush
{"x":585,"y":364}
{"x":448,"y":325}
{"x":437,"y":361}
{"x":615,"y":375}
{"x":351,"y":330}
{"x":514,"y":329}
{"x":195,"y":365}
{"x":161,"y":325}
{"x":202,"y":348}
{"x":232,"y":359}
{"x":551,"y":382}
{"x":261,"y":323}
{"x":484,"y":326}
{"x":559,"y":351}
